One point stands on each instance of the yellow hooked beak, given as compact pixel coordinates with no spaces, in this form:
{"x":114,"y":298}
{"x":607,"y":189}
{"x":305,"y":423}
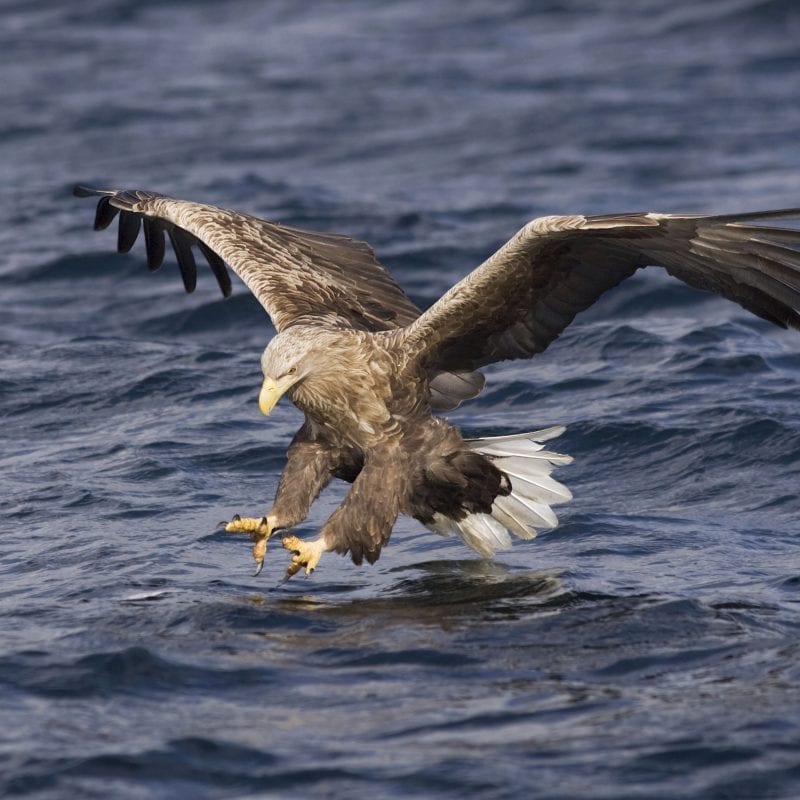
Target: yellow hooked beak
{"x":271,"y":392}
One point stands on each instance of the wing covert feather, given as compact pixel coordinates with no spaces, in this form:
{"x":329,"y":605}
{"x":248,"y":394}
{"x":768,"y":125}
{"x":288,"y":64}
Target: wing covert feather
{"x":521,"y":298}
{"x":294,"y":274}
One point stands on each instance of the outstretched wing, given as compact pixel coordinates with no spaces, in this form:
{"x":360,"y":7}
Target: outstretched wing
{"x":296,"y":275}
{"x":519,"y":300}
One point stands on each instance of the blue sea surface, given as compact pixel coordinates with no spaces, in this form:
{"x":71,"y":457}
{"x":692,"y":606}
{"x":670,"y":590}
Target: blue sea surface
{"x":648,"y":648}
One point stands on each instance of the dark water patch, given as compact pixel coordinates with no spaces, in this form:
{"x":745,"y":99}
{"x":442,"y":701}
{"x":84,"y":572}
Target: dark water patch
{"x":769,"y":783}
{"x":759,"y":15}
{"x":717,"y":368}
{"x":257,"y":615}
{"x":210,"y":356}
{"x":196,"y":759}
{"x":634,"y":621}
{"x":486,"y":722}
{"x":732,"y":441}
{"x":239,"y":312}
{"x":709,"y":336}
{"x":174,"y":382}
{"x":130,"y":512}
{"x":579,"y":385}
{"x":678,"y":760}
{"x":78,"y":267}
{"x":143,"y":469}
{"x":389,"y":661}
{"x":135,"y":670}
{"x":243,"y":458}
{"x":652,"y":666}
{"x":84,"y":498}
{"x":618,"y":436}
{"x":631,"y":344}
{"x":785,"y":361}
{"x":784,"y":502}
{"x":184,"y":766}
{"x":737,"y":436}
{"x":790,"y":584}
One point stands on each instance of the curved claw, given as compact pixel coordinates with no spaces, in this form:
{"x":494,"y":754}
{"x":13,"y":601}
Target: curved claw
{"x":259,"y":553}
{"x":258,"y":529}
{"x":306,"y":554}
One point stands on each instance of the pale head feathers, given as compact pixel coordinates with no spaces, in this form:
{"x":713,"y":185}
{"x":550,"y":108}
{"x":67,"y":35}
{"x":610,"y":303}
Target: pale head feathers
{"x":340,"y":376}
{"x":288,"y":353}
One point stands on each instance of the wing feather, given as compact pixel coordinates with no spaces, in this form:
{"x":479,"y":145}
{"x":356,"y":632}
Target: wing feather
{"x":521,"y":299}
{"x":182,"y":245}
{"x":128,"y":233}
{"x":217,"y":267}
{"x":154,"y":242}
{"x":296,"y":275}
{"x":105,"y":214}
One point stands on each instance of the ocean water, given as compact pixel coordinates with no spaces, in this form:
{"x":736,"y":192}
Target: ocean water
{"x":648,"y":648}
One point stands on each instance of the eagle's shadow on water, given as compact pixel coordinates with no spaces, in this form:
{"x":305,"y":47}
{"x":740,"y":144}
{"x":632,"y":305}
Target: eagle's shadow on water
{"x":438,"y":591}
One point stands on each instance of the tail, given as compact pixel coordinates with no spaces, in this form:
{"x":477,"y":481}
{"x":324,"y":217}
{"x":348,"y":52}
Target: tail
{"x":526,"y":510}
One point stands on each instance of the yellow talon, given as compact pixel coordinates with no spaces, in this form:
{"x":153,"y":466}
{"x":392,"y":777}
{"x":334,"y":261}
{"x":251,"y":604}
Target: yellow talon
{"x":259,"y":553}
{"x":259,"y":529}
{"x":249,"y":525}
{"x":306,"y":554}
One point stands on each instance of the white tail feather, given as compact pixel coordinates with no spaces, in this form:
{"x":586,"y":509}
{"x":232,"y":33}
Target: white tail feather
{"x":544,"y":435}
{"x":526,"y":510}
{"x":516,"y":524}
{"x":481,"y":532}
{"x":521,"y":450}
{"x":484,"y":534}
{"x":536,"y":487}
{"x":537,"y":515}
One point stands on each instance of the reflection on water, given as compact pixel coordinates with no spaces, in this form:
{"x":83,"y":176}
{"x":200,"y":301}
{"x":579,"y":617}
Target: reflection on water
{"x":439,"y":593}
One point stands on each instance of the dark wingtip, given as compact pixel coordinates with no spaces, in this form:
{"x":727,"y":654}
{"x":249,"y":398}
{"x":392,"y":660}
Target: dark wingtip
{"x":132,"y":220}
{"x":182,"y":245}
{"x":129,"y":226}
{"x":154,"y":242}
{"x":218,"y":268}
{"x":105,"y":214}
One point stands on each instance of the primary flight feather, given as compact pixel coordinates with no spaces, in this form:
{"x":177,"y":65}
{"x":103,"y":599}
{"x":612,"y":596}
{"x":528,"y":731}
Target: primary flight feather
{"x":368,"y":368}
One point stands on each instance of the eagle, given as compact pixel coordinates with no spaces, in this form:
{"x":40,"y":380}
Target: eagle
{"x":371,"y":372}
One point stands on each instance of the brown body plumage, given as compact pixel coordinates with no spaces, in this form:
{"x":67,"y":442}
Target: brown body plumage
{"x":369,"y":370}
{"x":371,"y":432}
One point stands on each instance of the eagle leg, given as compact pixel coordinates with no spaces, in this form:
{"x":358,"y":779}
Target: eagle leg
{"x":306,"y":554}
{"x":259,"y":530}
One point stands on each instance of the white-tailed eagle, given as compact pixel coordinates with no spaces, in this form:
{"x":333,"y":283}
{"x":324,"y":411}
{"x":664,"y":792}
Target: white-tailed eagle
{"x":369,"y":369}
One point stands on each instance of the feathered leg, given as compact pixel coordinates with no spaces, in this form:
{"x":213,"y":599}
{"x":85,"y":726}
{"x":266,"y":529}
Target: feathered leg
{"x":362,"y":524}
{"x":308,"y":471}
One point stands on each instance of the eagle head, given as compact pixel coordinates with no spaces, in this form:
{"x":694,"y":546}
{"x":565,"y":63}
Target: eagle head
{"x":287,"y":360}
